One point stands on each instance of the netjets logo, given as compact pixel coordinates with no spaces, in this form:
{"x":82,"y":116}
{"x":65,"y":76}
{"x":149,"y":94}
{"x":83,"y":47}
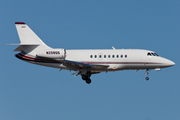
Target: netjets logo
{"x":52,"y":52}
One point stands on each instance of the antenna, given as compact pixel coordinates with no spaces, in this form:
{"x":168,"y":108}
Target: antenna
{"x":113,"y":48}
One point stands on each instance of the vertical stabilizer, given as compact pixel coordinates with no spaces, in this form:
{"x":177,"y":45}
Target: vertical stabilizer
{"x":30,"y":42}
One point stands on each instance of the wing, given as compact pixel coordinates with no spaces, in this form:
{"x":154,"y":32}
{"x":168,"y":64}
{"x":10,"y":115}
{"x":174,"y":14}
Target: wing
{"x":80,"y":65}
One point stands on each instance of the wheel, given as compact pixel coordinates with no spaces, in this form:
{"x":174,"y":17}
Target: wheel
{"x":147,"y":78}
{"x":84,"y":77}
{"x":88,"y":81}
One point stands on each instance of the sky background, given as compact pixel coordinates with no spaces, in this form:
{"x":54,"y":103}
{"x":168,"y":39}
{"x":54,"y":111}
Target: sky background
{"x":32,"y":92}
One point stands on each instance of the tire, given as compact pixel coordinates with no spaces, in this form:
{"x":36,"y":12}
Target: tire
{"x":88,"y":81}
{"x":84,"y":77}
{"x":147,"y":78}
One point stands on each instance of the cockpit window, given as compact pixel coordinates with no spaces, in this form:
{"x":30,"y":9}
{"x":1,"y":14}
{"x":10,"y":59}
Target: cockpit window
{"x":149,"y":54}
{"x":156,"y":54}
{"x":152,"y":54}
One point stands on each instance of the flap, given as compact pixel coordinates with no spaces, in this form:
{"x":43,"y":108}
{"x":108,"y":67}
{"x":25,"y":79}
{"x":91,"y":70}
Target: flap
{"x":83,"y":65}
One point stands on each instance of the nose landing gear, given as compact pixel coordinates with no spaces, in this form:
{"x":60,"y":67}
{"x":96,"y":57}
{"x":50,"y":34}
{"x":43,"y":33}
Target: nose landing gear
{"x":147,"y":78}
{"x":147,"y":73}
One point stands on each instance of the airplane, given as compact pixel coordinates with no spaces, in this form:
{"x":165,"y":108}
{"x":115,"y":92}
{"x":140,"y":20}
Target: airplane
{"x":85,"y":62}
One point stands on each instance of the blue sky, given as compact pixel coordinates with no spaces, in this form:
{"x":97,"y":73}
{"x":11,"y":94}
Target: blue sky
{"x":31,"y":92}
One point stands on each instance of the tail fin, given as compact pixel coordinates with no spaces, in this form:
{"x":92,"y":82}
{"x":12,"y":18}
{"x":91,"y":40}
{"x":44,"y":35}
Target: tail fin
{"x":30,"y":42}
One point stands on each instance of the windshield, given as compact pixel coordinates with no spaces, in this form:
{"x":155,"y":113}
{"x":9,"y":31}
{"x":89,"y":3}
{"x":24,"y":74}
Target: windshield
{"x":152,"y":54}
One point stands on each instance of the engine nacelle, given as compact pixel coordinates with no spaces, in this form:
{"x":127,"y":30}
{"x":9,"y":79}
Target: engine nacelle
{"x":52,"y":53}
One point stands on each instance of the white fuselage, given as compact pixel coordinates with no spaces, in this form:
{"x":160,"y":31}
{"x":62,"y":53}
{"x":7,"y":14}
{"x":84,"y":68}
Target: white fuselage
{"x":118,"y":59}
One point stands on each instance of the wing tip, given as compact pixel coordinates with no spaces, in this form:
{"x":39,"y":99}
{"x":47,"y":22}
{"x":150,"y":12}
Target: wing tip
{"x":20,"y":23}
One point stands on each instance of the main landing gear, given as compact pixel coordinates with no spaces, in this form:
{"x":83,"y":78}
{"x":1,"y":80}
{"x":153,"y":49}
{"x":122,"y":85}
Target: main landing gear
{"x":87,"y":77}
{"x":147,"y":73}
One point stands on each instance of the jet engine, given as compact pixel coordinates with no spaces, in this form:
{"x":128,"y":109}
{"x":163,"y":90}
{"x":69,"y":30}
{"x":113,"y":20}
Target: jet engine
{"x":52,"y":53}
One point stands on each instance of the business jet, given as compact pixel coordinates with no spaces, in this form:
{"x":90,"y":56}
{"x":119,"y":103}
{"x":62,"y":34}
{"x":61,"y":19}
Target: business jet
{"x":85,"y":62}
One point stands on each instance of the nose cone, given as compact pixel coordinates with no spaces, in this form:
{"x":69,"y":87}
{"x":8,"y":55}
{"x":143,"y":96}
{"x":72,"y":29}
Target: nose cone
{"x":171,"y":63}
{"x":168,"y":63}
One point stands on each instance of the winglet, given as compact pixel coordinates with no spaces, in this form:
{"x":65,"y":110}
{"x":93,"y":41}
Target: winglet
{"x":20,"y":23}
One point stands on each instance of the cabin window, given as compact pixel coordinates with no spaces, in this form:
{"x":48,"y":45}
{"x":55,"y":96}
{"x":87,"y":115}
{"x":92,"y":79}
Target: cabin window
{"x":100,"y":56}
{"x":91,"y":56}
{"x":95,"y":56}
{"x":109,"y":56}
{"x":104,"y":56}
{"x":121,"y":56}
{"x":112,"y":56}
{"x":117,"y":56}
{"x":125,"y":56}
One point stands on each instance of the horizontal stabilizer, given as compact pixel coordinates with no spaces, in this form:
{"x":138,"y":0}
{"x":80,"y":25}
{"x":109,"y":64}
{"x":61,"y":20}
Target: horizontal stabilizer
{"x":19,"y":48}
{"x":25,"y":44}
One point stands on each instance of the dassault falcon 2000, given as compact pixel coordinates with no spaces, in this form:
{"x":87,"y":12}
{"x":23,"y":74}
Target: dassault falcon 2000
{"x":85,"y":62}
